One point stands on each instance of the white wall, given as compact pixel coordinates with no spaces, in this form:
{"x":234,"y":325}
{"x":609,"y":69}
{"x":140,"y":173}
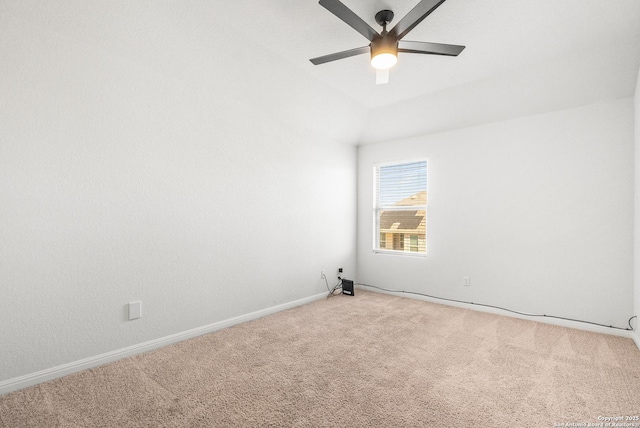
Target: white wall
{"x":636,"y":257}
{"x":537,"y":211}
{"x":126,"y":177}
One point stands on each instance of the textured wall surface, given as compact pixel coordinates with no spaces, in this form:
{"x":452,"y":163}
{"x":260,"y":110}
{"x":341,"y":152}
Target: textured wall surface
{"x":130,"y":170}
{"x":537,"y":211}
{"x":636,"y":256}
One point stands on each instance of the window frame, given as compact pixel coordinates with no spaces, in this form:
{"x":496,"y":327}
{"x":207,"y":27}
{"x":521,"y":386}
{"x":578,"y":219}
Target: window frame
{"x":377,"y":209}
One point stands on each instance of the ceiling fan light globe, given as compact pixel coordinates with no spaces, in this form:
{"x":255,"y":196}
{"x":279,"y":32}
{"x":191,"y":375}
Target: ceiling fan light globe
{"x":384,"y":61}
{"x":384,"y":52}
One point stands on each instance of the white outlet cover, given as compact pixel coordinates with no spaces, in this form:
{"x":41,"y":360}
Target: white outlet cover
{"x":135,"y":310}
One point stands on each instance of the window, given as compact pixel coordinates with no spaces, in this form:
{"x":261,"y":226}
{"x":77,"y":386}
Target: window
{"x":400,"y":207}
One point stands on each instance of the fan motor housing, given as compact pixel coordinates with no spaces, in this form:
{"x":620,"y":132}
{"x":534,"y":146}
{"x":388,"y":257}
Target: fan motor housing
{"x":384,"y":44}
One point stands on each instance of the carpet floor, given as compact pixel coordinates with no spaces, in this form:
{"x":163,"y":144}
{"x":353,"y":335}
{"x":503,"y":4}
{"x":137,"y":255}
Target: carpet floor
{"x":372,"y":360}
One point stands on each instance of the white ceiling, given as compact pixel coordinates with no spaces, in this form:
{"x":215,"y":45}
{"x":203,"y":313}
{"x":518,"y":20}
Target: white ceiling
{"x":521,"y":57}
{"x":501,"y":36}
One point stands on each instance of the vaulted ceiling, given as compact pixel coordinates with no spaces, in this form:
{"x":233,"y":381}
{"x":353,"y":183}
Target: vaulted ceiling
{"x":521,"y":57}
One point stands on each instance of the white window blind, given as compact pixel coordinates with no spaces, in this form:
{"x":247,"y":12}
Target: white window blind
{"x":400,"y":207}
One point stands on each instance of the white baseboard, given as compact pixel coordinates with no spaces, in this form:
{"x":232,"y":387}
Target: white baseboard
{"x":560,"y":322}
{"x":636,"y":337}
{"x":98,"y":360}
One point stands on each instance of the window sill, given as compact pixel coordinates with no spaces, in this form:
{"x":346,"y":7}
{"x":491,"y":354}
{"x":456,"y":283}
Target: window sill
{"x":400,"y":253}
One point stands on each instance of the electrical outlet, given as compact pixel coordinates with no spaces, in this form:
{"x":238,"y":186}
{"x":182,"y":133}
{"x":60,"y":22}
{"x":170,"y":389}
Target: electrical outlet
{"x":321,"y":274}
{"x":339,"y":273}
{"x":466,"y":281}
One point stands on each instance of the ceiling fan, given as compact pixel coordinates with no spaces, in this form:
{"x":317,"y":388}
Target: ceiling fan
{"x":384,"y":46}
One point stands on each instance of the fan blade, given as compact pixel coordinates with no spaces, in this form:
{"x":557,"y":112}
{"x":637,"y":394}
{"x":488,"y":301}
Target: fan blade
{"x":382,"y":76}
{"x":429,"y":48}
{"x":414,"y":17}
{"x":340,"y":55}
{"x":348,"y":16}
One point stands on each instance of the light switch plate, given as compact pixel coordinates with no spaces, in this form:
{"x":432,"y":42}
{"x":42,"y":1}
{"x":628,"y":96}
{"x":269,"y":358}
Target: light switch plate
{"x":135,"y":310}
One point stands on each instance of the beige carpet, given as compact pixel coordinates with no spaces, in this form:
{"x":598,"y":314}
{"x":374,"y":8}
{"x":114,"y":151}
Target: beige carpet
{"x":365,"y":361}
